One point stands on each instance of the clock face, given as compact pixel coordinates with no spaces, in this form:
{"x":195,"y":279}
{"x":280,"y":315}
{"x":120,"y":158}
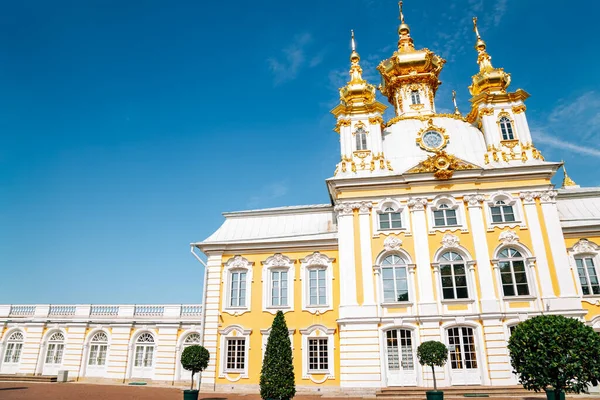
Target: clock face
{"x":432,"y":140}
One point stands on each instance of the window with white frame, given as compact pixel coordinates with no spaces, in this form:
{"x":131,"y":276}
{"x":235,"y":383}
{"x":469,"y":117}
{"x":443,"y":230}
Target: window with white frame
{"x":444,"y":216}
{"x":236,"y":354}
{"x":317,"y":286}
{"x":279,"y":288}
{"x":506,"y":128}
{"x":502,"y":212}
{"x":394,"y":275}
{"x":56,"y":346}
{"x":512,"y":272}
{"x":98,"y":349}
{"x":237,"y":297}
{"x":14,"y":345}
{"x":144,"y":350}
{"x":588,"y":275}
{"x":316,"y":274}
{"x":390,"y":219}
{"x":361,"y":139}
{"x":453,"y":272}
{"x":318,"y":355}
{"x":415,"y":97}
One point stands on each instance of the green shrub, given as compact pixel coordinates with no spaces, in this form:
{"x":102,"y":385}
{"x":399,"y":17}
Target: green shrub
{"x":277,"y":380}
{"x":434,"y":354}
{"x":194,"y":358}
{"x":555,"y":351}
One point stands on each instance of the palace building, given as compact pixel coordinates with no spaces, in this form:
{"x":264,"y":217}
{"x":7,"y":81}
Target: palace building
{"x":441,"y":227}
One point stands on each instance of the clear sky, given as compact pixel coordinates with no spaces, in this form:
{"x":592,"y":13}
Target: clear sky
{"x":127,"y":127}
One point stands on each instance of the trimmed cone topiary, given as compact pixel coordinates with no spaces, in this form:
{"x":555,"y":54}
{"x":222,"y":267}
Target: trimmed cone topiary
{"x":434,"y":354}
{"x":277,"y":379}
{"x":555,"y":351}
{"x":194,"y":358}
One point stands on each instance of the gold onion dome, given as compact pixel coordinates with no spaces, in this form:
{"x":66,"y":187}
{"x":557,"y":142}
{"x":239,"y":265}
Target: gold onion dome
{"x":488,"y":79}
{"x":408,"y":65}
{"x":357,"y":95}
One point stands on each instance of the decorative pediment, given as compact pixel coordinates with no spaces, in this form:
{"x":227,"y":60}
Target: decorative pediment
{"x":238,"y":262}
{"x":585,"y":246}
{"x":317,"y":258}
{"x":278,"y":260}
{"x":442,"y":165}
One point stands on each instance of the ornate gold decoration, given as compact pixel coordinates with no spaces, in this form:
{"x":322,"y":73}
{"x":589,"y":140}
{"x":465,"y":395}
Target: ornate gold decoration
{"x":489,"y":79}
{"x":486,"y":111}
{"x":393,"y":120}
{"x":567,"y":181}
{"x":509,"y":143}
{"x":456,"y":111}
{"x":519,"y":109}
{"x":442,"y":165}
{"x":417,"y":106}
{"x":359,"y":125}
{"x":429,"y":128}
{"x":341,"y":122}
{"x":362,"y":153}
{"x":378,"y":120}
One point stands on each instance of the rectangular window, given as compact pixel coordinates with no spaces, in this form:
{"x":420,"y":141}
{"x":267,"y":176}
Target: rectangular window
{"x":454,"y":281}
{"x":587,"y":276}
{"x":139,"y":356}
{"x":238,"y":289}
{"x":514,"y":278}
{"x":445,"y":218}
{"x":318,"y":355}
{"x":415,"y":97}
{"x":9,"y":352}
{"x":390,"y":220}
{"x":395,"y":284}
{"x":502,"y":214}
{"x":317,"y":287}
{"x":93,"y":355}
{"x":236,"y":354}
{"x":50,"y":353}
{"x":279,"y":288}
{"x":148,"y":356}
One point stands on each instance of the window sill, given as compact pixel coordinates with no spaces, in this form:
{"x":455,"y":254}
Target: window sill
{"x":519,"y":298}
{"x":396,"y":304}
{"x":234,"y":371}
{"x":324,"y":372}
{"x":457,"y":301}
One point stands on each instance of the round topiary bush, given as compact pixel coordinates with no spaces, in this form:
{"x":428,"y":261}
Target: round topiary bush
{"x":434,"y":354}
{"x":555,"y":351}
{"x":194,"y":358}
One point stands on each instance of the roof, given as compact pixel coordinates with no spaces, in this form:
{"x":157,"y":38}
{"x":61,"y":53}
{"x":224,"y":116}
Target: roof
{"x":310,"y":222}
{"x":579,"y":207}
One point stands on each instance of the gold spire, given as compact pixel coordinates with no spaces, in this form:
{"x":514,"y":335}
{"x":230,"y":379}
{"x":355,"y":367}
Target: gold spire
{"x":489,"y":79}
{"x":567,"y":181}
{"x":456,"y":111}
{"x":357,"y":96}
{"x":405,"y":43}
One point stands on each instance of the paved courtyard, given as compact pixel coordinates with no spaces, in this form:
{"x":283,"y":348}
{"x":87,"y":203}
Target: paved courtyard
{"x":79,"y":391}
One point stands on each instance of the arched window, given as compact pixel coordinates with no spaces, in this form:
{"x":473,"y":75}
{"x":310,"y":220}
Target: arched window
{"x":98,"y":349}
{"x":512,"y":273}
{"x":415,"y":97}
{"x":14,"y":345}
{"x":144,"y":350}
{"x":191,"y":339}
{"x":361,"y":139}
{"x":395,"y":280}
{"x":390,"y":219}
{"x":444,"y":216}
{"x":56,"y":346}
{"x":506,"y":128}
{"x":588,"y":276}
{"x":502,"y":212}
{"x":453,"y":272}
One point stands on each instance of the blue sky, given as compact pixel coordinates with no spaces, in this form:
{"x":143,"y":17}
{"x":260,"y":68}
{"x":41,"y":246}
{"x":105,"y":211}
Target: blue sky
{"x":126,"y":128}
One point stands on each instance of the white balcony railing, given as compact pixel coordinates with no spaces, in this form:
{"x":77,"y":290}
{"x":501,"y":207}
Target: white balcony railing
{"x":101,"y":311}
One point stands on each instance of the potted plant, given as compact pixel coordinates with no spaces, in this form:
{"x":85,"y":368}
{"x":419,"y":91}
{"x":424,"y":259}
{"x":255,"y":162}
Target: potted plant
{"x":556,"y":354}
{"x":194,"y":358}
{"x":277,"y":379}
{"x":434,"y":354}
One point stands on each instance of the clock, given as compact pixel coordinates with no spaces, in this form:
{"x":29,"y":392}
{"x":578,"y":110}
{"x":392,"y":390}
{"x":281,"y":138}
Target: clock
{"x":432,"y":140}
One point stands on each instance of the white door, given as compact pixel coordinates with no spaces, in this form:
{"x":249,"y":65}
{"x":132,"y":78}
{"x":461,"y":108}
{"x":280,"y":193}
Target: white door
{"x":97,"y":360}
{"x":12,"y":354}
{"x":400,"y":358}
{"x":464,"y":369}
{"x":143,"y":358}
{"x":53,"y":360}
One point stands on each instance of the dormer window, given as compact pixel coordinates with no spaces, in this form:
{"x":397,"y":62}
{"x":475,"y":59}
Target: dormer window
{"x":415,"y":97}
{"x":502,"y":212}
{"x":444,"y":216}
{"x":361,"y":139}
{"x":390,"y":219}
{"x":506,"y":128}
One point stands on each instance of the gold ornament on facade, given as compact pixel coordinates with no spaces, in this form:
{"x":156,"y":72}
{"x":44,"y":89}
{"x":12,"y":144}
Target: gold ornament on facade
{"x":442,"y":165}
{"x":378,"y":120}
{"x":567,"y":181}
{"x":393,"y":120}
{"x":519,"y":109}
{"x":417,"y":106}
{"x":341,"y":122}
{"x":456,"y":111}
{"x":432,"y":128}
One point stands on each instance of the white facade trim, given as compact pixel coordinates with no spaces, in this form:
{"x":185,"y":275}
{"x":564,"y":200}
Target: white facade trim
{"x":316,"y":261}
{"x":314,"y":332}
{"x":510,"y":200}
{"x":397,"y":206}
{"x":453,"y":204}
{"x":277,"y":262}
{"x":236,"y":264}
{"x":234,"y":332}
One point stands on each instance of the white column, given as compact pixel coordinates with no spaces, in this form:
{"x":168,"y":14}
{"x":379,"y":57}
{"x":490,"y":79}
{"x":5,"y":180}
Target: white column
{"x":364,"y":220}
{"x":346,"y":255}
{"x":211,"y":319}
{"x":427,"y":305}
{"x":489,"y":302}
{"x":537,"y":241}
{"x":559,"y":251}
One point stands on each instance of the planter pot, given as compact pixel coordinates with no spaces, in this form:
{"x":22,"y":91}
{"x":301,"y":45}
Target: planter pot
{"x":550,"y":394}
{"x":436,"y":395}
{"x":190,"y":395}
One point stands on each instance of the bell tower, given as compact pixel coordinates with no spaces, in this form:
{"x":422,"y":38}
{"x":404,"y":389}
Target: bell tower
{"x":410,"y":78}
{"x":359,"y":123}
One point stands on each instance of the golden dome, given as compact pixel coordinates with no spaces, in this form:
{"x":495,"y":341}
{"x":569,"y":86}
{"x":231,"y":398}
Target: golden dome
{"x":489,"y":79}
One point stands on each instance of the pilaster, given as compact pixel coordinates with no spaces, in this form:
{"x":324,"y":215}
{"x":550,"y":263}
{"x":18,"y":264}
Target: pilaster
{"x":211,"y":318}
{"x":426,"y":302}
{"x":364,"y":218}
{"x":345,"y":212}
